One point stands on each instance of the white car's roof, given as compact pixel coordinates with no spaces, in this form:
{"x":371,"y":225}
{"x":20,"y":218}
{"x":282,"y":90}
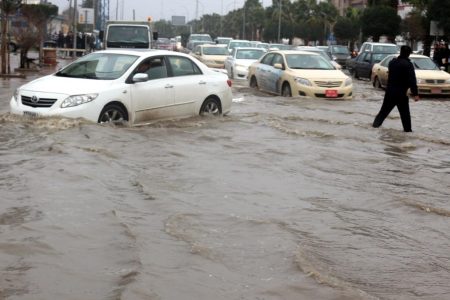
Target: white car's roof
{"x":284,"y":52}
{"x":140,"y":52}
{"x":249,"y":48}
{"x":378,"y":44}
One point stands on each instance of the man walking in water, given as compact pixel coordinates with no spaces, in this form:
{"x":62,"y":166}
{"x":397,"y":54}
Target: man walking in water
{"x":401,"y":77}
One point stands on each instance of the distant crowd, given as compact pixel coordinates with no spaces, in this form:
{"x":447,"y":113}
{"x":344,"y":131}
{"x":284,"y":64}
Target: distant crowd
{"x":441,"y":54}
{"x":83,"y":40}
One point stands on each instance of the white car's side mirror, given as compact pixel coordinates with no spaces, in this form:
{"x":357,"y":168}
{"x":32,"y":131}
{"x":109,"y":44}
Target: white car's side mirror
{"x":140,"y":77}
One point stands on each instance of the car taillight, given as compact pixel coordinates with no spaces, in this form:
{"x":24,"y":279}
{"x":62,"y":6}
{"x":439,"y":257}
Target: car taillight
{"x":229,"y":82}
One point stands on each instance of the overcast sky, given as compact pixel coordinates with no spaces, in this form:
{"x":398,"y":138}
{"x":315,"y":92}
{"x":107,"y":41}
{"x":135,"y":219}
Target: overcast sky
{"x":163,"y":9}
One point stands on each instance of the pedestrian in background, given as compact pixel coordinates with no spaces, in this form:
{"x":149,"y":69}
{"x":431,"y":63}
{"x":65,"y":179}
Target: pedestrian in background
{"x":437,"y":58}
{"x":401,"y":78}
{"x":445,"y":55}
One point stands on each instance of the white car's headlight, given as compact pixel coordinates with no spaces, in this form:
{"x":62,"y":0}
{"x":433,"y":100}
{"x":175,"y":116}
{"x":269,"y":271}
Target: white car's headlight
{"x":303,"y":81}
{"x":420,"y":80}
{"x":447,"y":81}
{"x":333,"y":57}
{"x":348,"y":81}
{"x":76,"y":100}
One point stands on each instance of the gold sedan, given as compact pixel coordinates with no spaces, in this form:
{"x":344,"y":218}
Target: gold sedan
{"x":430,"y":79}
{"x":299,"y":73}
{"x":211,"y":55}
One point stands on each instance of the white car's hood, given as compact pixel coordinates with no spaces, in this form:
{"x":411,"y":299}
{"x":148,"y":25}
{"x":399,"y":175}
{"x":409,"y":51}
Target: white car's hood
{"x":245,"y":62}
{"x":66,"y":86}
{"x":320,"y":74}
{"x":432,"y":74}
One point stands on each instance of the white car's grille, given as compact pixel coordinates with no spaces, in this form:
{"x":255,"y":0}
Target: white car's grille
{"x":328,"y":84}
{"x":435,"y":81}
{"x":37,"y":102}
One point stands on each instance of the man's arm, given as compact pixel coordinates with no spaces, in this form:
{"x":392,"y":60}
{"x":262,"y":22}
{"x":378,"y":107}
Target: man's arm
{"x":413,"y":82}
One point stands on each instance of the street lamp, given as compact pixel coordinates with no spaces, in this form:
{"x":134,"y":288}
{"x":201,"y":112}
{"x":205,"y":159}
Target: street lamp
{"x":243,"y":22}
{"x":279,"y":23}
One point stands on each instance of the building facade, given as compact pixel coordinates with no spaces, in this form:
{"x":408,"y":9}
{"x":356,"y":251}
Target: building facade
{"x":342,"y":5}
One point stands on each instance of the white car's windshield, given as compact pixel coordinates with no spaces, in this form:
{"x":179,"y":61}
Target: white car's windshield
{"x":103,"y":66}
{"x":239,"y":44}
{"x":205,"y":38}
{"x":249,"y":54}
{"x":305,"y":61}
{"x":385,"y":49}
{"x":424,"y":63}
{"x":340,"y":50}
{"x":215,"y":51}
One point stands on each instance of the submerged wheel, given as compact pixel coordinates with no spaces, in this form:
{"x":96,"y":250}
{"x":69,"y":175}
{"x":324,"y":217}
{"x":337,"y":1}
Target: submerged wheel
{"x":253,"y":83}
{"x":286,"y":91}
{"x":376,"y":83}
{"x":210,"y":107}
{"x":355,"y":73}
{"x":113,"y":113}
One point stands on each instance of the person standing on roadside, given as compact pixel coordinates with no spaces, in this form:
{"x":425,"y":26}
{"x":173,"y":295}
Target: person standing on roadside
{"x":401,"y":78}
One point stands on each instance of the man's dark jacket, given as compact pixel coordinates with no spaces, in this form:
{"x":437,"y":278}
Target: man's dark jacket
{"x":401,"y":78}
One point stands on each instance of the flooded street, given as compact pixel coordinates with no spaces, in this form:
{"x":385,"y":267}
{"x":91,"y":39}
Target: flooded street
{"x":284,"y":198}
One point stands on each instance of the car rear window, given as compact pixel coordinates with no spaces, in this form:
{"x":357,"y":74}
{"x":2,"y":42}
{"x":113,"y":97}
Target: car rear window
{"x":385,"y":49}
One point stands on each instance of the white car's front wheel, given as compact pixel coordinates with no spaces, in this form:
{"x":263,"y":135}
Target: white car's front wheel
{"x":286,"y":91}
{"x":113,"y":113}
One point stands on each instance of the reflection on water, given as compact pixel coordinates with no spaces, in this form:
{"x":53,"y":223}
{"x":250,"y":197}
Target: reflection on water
{"x":285,"y":198}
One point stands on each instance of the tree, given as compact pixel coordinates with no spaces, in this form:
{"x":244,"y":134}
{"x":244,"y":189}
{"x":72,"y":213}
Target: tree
{"x":37,"y":16}
{"x":413,"y":28}
{"x":327,"y":13}
{"x":439,"y":11}
{"x":345,"y":30}
{"x":254,"y":19}
{"x":380,"y":20}
{"x":7,"y":7}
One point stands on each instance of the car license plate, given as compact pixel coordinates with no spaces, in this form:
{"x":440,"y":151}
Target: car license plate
{"x":435,"y":90}
{"x":331,"y":93}
{"x":31,"y":114}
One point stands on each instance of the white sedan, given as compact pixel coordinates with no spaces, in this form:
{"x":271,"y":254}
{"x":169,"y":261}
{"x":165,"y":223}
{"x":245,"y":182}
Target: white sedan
{"x":127,"y":86}
{"x":240,"y":59}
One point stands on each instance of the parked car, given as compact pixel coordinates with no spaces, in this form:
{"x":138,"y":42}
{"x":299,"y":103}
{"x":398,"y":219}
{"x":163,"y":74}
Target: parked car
{"x":164,"y":44}
{"x":220,"y":40}
{"x":388,"y":48}
{"x":361,"y":66}
{"x":198,"y":37}
{"x":280,"y":47}
{"x":322,"y":53}
{"x":211,"y":55}
{"x":240,"y":59}
{"x":238,"y":43}
{"x":131,"y":86}
{"x":299,"y":73}
{"x":431,"y":80}
{"x":264,"y":46}
{"x":339,"y":53}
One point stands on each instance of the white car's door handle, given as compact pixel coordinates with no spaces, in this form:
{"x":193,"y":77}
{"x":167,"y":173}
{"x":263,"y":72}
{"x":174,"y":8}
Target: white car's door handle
{"x":168,"y":86}
{"x":202,"y":82}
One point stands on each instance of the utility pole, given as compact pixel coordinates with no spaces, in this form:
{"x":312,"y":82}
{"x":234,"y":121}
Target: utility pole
{"x":279,"y":24}
{"x":196,"y":15}
{"x":243,"y":22}
{"x":75,"y":22}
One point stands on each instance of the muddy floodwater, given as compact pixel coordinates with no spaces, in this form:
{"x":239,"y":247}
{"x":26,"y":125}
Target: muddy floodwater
{"x":284,"y":198}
